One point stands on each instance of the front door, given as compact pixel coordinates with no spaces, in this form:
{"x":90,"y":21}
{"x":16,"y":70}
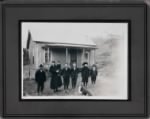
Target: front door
{"x":73,"y":55}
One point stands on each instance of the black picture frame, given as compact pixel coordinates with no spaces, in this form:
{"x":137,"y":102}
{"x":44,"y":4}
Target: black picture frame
{"x":80,"y":21}
{"x":142,"y":101}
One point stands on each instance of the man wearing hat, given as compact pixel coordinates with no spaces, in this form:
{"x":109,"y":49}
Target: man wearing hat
{"x":66,"y":76}
{"x":74,"y":74}
{"x":85,"y":74}
{"x":40,"y":78}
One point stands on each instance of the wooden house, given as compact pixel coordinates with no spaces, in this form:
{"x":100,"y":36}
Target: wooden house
{"x":44,"y":47}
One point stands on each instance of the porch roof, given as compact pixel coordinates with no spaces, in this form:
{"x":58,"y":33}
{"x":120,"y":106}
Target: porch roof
{"x":62,"y":39}
{"x":46,"y":44}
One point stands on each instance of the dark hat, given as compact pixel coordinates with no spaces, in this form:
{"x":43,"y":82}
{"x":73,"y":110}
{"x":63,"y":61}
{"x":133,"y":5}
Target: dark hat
{"x":74,"y":62}
{"x":84,"y":63}
{"x":41,"y":65}
{"x":94,"y":65}
{"x":53,"y":61}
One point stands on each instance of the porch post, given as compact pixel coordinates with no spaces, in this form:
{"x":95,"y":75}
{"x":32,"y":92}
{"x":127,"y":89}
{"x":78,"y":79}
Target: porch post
{"x":83,"y":52}
{"x":37,"y":56}
{"x":51,"y":58}
{"x":94,"y":56}
{"x":43,"y":56}
{"x":66,"y":55}
{"x":90,"y":57}
{"x":48,"y":54}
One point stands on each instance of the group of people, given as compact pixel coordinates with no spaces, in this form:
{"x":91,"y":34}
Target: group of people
{"x":65,"y":76}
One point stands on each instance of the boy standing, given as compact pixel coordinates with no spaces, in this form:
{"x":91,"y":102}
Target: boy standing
{"x":93,"y":74}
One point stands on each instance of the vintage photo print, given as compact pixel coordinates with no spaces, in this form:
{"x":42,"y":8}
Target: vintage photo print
{"x":74,"y":60}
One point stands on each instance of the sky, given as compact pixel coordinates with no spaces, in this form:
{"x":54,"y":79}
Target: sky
{"x":90,"y":30}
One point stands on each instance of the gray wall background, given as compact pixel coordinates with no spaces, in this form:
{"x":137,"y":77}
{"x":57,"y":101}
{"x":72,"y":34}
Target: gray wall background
{"x":92,"y":1}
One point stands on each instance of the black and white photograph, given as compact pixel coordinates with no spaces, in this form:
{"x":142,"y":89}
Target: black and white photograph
{"x":74,"y":60}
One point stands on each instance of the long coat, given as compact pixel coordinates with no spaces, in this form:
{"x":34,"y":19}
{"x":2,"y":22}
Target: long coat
{"x":53,"y":83}
{"x":85,"y":74}
{"x":40,"y":76}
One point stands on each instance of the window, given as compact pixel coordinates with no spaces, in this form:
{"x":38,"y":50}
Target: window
{"x":47,"y":55}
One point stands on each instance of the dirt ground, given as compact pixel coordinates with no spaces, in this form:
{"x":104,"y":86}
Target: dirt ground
{"x":103,"y":87}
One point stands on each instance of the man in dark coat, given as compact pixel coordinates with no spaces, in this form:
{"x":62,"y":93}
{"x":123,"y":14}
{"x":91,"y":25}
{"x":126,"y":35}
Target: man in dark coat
{"x":93,"y":74}
{"x":74,"y":75}
{"x":53,"y":71}
{"x":66,"y":76}
{"x":40,"y":78}
{"x":85,"y":74}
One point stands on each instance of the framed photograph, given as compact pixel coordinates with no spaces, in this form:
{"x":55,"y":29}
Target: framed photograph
{"x":90,"y":57}
{"x":95,"y":50}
